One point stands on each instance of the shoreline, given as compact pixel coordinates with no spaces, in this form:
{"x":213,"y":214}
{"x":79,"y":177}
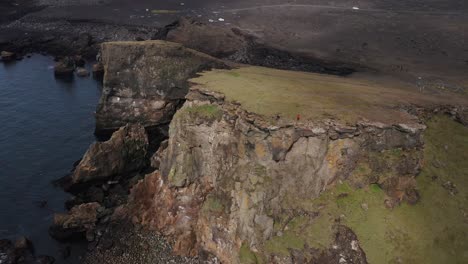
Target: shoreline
{"x":31,"y":32}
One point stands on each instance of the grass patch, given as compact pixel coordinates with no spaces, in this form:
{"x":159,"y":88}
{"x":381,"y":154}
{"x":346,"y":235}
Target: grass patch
{"x":272,"y":92}
{"x":246,"y":256}
{"x":205,"y":112}
{"x":212,"y":204}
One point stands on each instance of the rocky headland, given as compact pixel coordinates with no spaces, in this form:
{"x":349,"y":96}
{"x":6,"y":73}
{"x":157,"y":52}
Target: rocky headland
{"x":232,"y":163}
{"x":260,"y":140}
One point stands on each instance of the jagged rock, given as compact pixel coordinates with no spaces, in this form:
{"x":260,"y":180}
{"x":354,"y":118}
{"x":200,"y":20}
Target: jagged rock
{"x":234,"y":172}
{"x":79,"y":221}
{"x":7,"y":56}
{"x":24,"y":243}
{"x":64,"y":67}
{"x":44,"y":260}
{"x":345,"y":249}
{"x":82,"y":72}
{"x":79,"y":61}
{"x":21,"y":252}
{"x":124,"y":152}
{"x":210,"y":39}
{"x":98,"y":70}
{"x":462,"y":115}
{"x":145,"y":81}
{"x":240,"y":169}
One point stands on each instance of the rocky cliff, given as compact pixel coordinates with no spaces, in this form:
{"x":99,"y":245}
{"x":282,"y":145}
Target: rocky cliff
{"x":268,"y":166}
{"x":145,"y":82}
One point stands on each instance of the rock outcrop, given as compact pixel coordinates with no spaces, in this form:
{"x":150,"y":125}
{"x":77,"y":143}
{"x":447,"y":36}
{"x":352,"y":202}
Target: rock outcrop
{"x":82,"y":72}
{"x":22,"y":251}
{"x":224,"y":178}
{"x":210,"y":39}
{"x":7,"y":56}
{"x":254,"y":184}
{"x":123,"y":153}
{"x":79,"y":222}
{"x":146,"y":81}
{"x":64,"y":67}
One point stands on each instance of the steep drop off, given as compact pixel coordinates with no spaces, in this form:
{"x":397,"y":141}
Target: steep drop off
{"x":273,"y":166}
{"x":268,"y":166}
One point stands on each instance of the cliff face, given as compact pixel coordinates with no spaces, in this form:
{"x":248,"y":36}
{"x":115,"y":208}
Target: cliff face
{"x":144,"y":82}
{"x":325,"y":186}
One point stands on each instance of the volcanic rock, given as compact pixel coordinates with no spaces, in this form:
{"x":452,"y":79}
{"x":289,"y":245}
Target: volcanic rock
{"x":124,"y":152}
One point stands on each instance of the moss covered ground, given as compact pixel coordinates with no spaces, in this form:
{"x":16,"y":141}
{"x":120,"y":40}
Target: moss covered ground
{"x":207,"y":112}
{"x":435,"y":230}
{"x":271,"y":92}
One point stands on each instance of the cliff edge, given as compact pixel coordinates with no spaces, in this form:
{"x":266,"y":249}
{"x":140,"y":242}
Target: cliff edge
{"x":274,"y":166}
{"x":146,"y":81}
{"x":271,"y":166}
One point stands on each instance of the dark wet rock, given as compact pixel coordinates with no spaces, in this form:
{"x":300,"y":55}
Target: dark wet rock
{"x":123,"y":153}
{"x":24,"y":244}
{"x":86,"y":195}
{"x":207,"y":38}
{"x":64,"y":67}
{"x":82,"y":72}
{"x":98,"y":70}
{"x":345,"y":249}
{"x":7,"y":56}
{"x":21,"y":252}
{"x":146,"y":81}
{"x":79,"y":61}
{"x":77,"y":223}
{"x":65,"y":252}
{"x":44,"y":260}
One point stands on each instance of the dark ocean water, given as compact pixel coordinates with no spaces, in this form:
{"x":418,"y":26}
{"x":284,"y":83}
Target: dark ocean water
{"x":46,"y":125}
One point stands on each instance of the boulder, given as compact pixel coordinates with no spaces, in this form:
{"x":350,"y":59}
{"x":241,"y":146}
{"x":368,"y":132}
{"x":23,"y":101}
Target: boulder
{"x":64,"y":67}
{"x":7,"y":56}
{"x":82,"y":72}
{"x":79,"y":221}
{"x":44,"y":260}
{"x":124,"y":152}
{"x":79,"y":61}
{"x":21,"y":251}
{"x":98,"y":70}
{"x":208,"y":38}
{"x":145,"y":81}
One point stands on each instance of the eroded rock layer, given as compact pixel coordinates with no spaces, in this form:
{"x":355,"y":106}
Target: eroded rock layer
{"x":144,"y":82}
{"x":269,"y":166}
{"x":230,"y":183}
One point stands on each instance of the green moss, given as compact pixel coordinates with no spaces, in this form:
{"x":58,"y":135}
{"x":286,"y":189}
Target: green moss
{"x":271,"y":92}
{"x":375,"y":188}
{"x":280,"y":245}
{"x":175,"y":178}
{"x":234,"y":74}
{"x":207,"y":112}
{"x":213,"y":204}
{"x":246,"y":256}
{"x":435,"y":230}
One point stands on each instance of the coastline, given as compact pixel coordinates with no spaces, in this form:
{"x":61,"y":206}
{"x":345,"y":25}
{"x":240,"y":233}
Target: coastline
{"x":50,"y":32}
